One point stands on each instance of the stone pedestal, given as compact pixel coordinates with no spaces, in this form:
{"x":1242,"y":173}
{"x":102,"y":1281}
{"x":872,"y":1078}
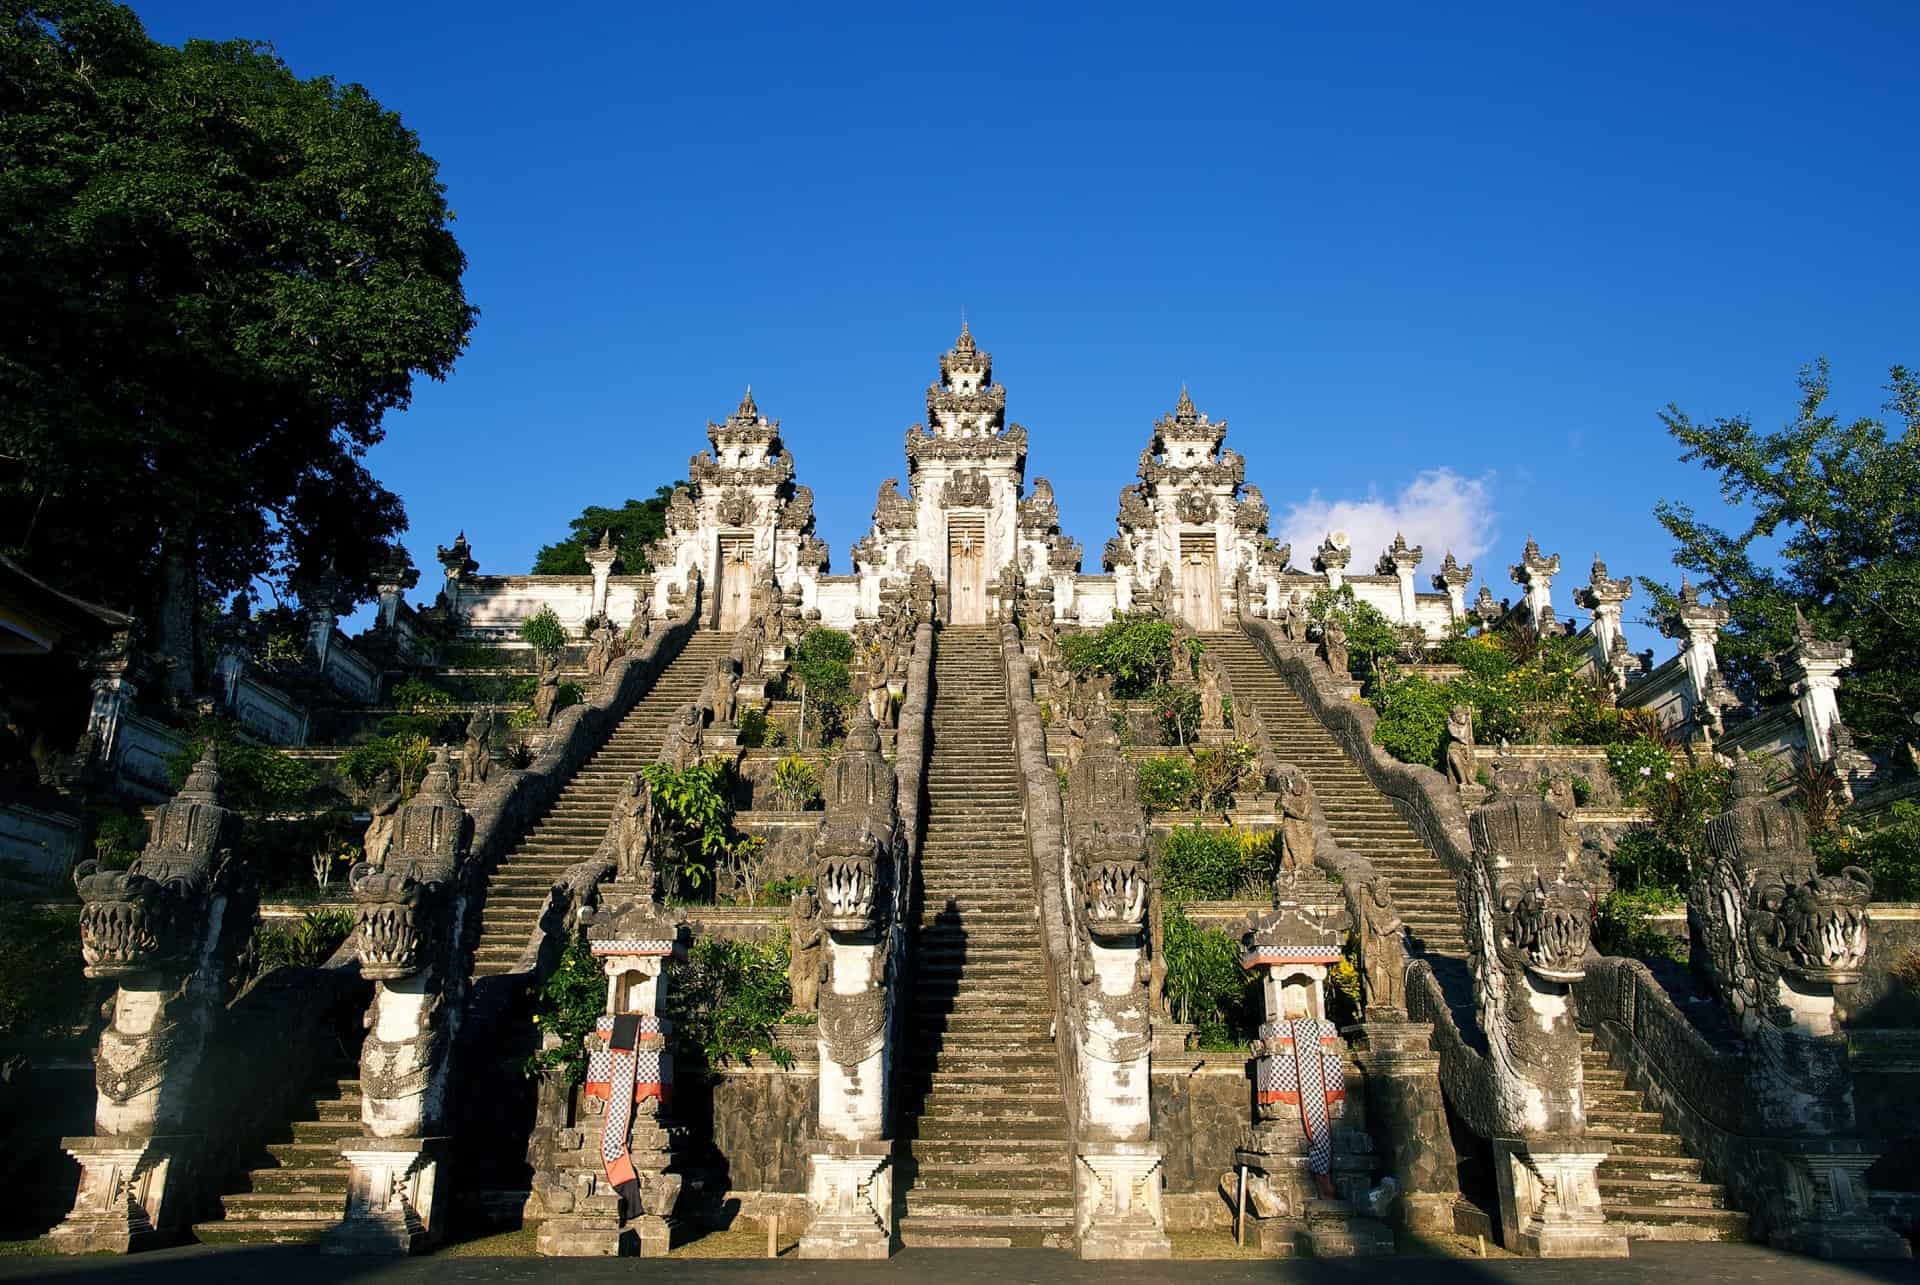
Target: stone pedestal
{"x":1550,"y":1199}
{"x":390,"y":1197}
{"x":1409,"y":1120}
{"x":752,"y":691}
{"x":1120,"y":1208}
{"x":1289,"y":1217}
{"x":850,"y":1189}
{"x":1843,"y":1224}
{"x":131,"y":1194}
{"x":722,"y":736}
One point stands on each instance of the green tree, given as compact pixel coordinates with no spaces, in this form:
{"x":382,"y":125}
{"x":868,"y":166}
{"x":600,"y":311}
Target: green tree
{"x":219,"y":279}
{"x":635,"y":526}
{"x":1832,"y":528}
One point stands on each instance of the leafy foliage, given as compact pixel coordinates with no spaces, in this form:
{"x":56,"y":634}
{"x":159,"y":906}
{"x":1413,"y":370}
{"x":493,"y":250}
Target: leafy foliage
{"x":1206,"y":985}
{"x":1887,"y":848}
{"x":543,"y":632}
{"x":795,"y":783}
{"x":1176,"y":708}
{"x":635,"y":526}
{"x":1371,"y":637}
{"x":696,"y":803}
{"x":1136,"y":652}
{"x":424,"y":711}
{"x":727,"y":998}
{"x":42,"y":988}
{"x":1623,"y":928}
{"x":406,"y":757}
{"x":566,"y":1006}
{"x":822,"y":664}
{"x":1201,"y":864}
{"x":1166,"y":783}
{"x":1640,"y":768}
{"x":1413,"y":718}
{"x":219,"y":279}
{"x":308,"y":944}
{"x":1643,"y":859}
{"x":253,"y":779}
{"x":1219,"y":772}
{"x":1831,"y":528}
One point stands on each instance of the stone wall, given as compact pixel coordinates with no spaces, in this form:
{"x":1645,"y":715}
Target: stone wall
{"x":761,"y":1118}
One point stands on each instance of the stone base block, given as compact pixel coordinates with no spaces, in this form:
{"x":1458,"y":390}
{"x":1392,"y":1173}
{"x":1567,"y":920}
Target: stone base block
{"x":129,"y":1195}
{"x":390,"y":1197}
{"x":1550,"y":1199}
{"x":850,"y":1191}
{"x":1119,"y":1199}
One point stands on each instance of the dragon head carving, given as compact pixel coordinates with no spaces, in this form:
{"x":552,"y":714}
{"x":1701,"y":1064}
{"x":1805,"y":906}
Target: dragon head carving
{"x":1546,"y":929}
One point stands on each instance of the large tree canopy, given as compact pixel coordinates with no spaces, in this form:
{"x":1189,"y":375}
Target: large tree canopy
{"x":635,"y":525}
{"x":219,"y":278}
{"x":1834,"y":530}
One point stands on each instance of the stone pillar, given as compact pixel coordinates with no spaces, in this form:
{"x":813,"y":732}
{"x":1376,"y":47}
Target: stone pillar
{"x":1332,"y":557}
{"x":1453,"y":580}
{"x":1409,"y":1120}
{"x":601,"y":558}
{"x":1400,"y":561}
{"x":408,"y":909}
{"x":1604,"y":597}
{"x":154,"y":929}
{"x":1697,"y":625}
{"x":1535,"y":574}
{"x":1812,"y":668}
{"x":1550,"y":1198}
{"x":396,"y":577}
{"x":849,"y":1162}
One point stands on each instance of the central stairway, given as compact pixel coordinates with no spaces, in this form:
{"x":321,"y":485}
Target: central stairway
{"x":297,"y":1190}
{"x":573,"y":827}
{"x":985,"y":1160}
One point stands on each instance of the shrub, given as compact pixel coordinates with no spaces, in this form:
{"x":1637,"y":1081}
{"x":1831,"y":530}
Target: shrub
{"x":407,"y":757}
{"x":1413,"y":718}
{"x":795,"y":783}
{"x":1166,"y":783}
{"x":1643,"y":860}
{"x":1136,"y":652}
{"x":1198,"y":864}
{"x":42,"y":988}
{"x":1343,"y":986}
{"x":1218,"y":773}
{"x":1176,"y":709}
{"x":696,"y":804}
{"x":1206,"y":985}
{"x":118,"y":838}
{"x":822,"y":665}
{"x":779,"y":892}
{"x":1623,"y":927}
{"x":566,"y":1006}
{"x":254,"y":780}
{"x":1639,"y":767}
{"x":1888,"y":849}
{"x":424,"y":711}
{"x":308,"y":944}
{"x":1371,"y":637}
{"x":727,"y":998}
{"x":753,"y":727}
{"x":1582,"y":791}
{"x":543,"y":632}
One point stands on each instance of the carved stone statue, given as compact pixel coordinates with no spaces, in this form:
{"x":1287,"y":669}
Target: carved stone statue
{"x":1463,"y":766}
{"x":634,"y":833}
{"x":1213,"y":715}
{"x":1297,"y":843}
{"x":1295,"y":621}
{"x":383,"y":808}
{"x":686,"y":739}
{"x":722,"y":691}
{"x":600,"y":646}
{"x":476,"y":757}
{"x":642,"y":623}
{"x":1333,"y":646}
{"x":805,"y":939}
{"x":1383,"y":951}
{"x":546,"y":692}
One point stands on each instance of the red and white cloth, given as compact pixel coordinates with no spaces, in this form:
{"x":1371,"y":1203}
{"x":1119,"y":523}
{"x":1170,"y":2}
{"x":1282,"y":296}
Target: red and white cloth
{"x":1303,"y":1068}
{"x":624,"y":1075}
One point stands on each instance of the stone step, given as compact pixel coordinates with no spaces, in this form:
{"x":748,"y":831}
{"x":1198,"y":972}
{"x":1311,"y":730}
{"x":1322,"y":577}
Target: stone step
{"x":1672,"y":1223}
{"x":959,"y":1203}
{"x":1685,"y":1195}
{"x":1022,"y":1153}
{"x":1680,"y":1168}
{"x":303,"y":1155}
{"x":1638,"y":1144}
{"x":925,"y":1232}
{"x":1016,"y":1176}
{"x":260,"y":1232}
{"x":1616,"y":1121}
{"x":969,"y":1129}
{"x":240,"y":1206}
{"x":328,"y":1180}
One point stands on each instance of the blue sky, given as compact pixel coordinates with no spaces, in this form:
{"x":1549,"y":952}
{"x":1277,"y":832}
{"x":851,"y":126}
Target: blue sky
{"x":1468,"y":249}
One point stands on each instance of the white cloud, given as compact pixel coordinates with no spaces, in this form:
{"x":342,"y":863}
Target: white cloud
{"x":1439,"y":510}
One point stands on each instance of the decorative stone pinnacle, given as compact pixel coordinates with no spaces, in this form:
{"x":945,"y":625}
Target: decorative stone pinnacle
{"x":1600,"y":590}
{"x":1452,"y":574}
{"x":1334,"y":552}
{"x":1399,"y":554}
{"x":1532,"y":566}
{"x":748,"y":410}
{"x":457,"y":559}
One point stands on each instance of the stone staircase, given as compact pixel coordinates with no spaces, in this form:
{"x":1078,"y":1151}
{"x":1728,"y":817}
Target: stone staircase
{"x":984,"y":1157}
{"x":1362,"y":819}
{"x":299,"y":1190}
{"x":1649,"y":1186}
{"x":573,"y":827}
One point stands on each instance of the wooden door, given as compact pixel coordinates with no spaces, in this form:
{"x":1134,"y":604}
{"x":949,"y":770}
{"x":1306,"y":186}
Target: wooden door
{"x":1199,"y":583}
{"x":736,"y":587}
{"x":967,"y":570}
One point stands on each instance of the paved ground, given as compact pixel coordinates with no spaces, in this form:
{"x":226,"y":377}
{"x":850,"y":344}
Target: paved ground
{"x":1688,"y":1264}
